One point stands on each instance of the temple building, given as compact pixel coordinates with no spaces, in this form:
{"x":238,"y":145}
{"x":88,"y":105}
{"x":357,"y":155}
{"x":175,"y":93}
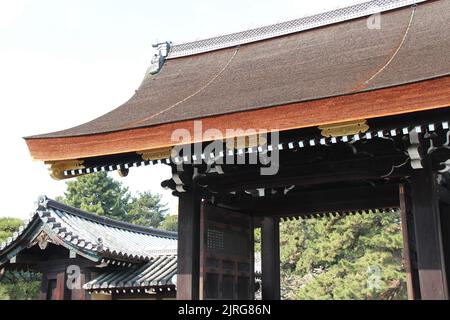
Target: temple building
{"x":334,"y":113}
{"x":82,"y":256}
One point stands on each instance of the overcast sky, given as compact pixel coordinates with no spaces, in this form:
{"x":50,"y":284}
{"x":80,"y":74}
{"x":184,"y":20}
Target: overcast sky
{"x":65,"y":62}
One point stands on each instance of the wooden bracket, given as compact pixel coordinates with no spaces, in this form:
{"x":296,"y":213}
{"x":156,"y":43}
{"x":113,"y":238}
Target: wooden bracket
{"x":57,"y":168}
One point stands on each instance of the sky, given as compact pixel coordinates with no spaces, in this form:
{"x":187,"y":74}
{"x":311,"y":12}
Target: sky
{"x":65,"y":62}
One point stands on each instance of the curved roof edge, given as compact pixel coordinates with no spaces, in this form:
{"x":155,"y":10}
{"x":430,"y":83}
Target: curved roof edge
{"x":160,"y":271}
{"x":50,"y":203}
{"x":284,"y":28}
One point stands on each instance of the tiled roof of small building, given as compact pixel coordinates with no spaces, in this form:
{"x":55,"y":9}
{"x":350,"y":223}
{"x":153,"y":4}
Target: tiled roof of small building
{"x":160,"y":271}
{"x":92,"y":236}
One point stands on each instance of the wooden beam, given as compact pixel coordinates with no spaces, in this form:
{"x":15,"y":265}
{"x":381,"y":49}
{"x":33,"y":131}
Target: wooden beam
{"x":355,"y":169}
{"x":188,"y":277}
{"x":425,"y":95}
{"x":324,"y":200}
{"x":270,"y":258}
{"x":430,"y":255}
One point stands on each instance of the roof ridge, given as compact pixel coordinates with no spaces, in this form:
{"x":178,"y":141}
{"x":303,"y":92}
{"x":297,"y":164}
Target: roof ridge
{"x":288,"y":27}
{"x":45,"y":203}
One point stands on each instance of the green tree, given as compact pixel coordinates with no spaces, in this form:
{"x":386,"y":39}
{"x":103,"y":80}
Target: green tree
{"x":351,"y":257}
{"x":146,"y":209}
{"x":16,"y":285}
{"x":170,"y":223}
{"x":99,"y":193}
{"x":8,"y":226}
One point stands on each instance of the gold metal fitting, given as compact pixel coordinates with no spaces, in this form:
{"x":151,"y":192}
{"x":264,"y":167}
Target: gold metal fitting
{"x":344,"y":128}
{"x":155,"y":154}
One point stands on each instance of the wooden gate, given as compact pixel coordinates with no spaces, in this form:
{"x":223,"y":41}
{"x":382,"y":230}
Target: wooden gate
{"x":226,"y":254}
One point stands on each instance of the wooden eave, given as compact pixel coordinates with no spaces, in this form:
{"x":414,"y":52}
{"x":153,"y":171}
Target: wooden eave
{"x":408,"y":98}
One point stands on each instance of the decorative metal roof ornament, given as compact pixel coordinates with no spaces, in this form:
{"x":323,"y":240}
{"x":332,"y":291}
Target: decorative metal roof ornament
{"x":158,"y":59}
{"x":42,"y":240}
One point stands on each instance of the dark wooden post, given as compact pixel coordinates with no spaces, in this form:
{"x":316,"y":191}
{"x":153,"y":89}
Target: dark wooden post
{"x":44,"y":287}
{"x":444,"y":206}
{"x":188,"y":247}
{"x":430,"y":259}
{"x":270,"y":258}
{"x":409,"y":251}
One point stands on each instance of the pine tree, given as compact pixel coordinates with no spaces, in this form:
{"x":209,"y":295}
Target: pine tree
{"x":146,"y":209}
{"x":8,"y":226}
{"x":12,"y":285}
{"x":351,"y":257}
{"x":99,"y":193}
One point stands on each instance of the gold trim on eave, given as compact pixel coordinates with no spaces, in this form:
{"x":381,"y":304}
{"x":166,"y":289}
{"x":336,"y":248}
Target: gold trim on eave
{"x":155,"y":154}
{"x":57,"y":168}
{"x":344,"y":128}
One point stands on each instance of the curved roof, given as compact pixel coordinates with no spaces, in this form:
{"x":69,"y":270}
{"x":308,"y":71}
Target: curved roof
{"x":333,"y":60}
{"x":324,"y":69}
{"x":90,"y":235}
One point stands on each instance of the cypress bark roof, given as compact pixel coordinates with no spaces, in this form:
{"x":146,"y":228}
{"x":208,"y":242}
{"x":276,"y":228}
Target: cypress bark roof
{"x":327,"y":61}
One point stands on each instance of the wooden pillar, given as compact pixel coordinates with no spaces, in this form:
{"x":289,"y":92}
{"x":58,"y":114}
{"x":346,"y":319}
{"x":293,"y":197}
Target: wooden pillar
{"x":430,"y":258}
{"x":445,"y":226}
{"x":270,"y":258}
{"x":44,"y":287}
{"x":188,"y":247}
{"x":60,"y":286}
{"x":409,"y":249}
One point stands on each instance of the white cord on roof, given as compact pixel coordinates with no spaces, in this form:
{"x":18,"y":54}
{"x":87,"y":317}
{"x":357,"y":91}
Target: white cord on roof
{"x":398,"y":49}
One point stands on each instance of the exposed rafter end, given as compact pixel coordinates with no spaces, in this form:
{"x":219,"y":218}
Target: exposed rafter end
{"x":337,"y":214}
